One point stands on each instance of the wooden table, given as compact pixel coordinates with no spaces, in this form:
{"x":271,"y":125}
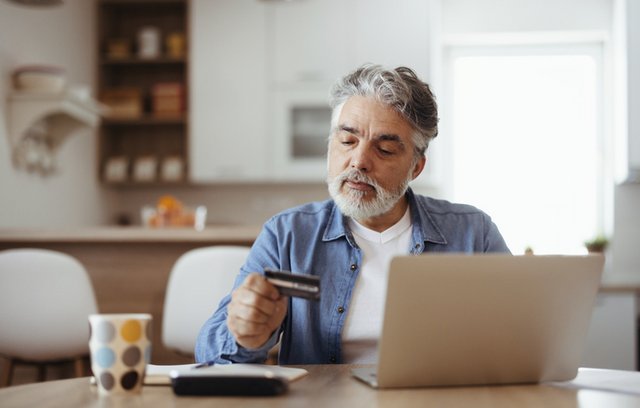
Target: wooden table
{"x":333,"y":386}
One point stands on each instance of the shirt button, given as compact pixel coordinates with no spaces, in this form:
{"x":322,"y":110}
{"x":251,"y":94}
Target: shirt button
{"x":417,"y":246}
{"x":353,"y":267}
{"x":340,"y":309}
{"x":332,"y":359}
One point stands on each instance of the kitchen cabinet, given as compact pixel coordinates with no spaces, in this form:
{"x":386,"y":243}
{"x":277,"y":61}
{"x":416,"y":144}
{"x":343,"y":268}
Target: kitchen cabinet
{"x":633,"y":89}
{"x":229,"y":83}
{"x":393,"y":34}
{"x":142,"y":76}
{"x":320,"y":40}
{"x":612,"y":337}
{"x":261,"y":74}
{"x":312,"y":40}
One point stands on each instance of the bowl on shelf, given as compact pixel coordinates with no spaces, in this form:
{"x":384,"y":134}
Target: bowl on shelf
{"x":39,"y":78}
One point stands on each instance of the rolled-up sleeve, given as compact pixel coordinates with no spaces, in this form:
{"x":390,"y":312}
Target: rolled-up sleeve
{"x":215,"y":341}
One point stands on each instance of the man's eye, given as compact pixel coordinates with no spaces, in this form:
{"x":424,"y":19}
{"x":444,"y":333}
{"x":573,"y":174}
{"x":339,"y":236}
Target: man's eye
{"x":386,"y":150}
{"x":347,"y":142}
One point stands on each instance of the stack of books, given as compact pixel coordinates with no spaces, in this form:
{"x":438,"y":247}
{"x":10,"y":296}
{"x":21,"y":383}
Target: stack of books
{"x":167,"y":98}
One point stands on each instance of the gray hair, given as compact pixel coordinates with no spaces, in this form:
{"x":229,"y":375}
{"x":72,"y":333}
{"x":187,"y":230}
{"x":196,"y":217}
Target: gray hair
{"x":401,"y":89}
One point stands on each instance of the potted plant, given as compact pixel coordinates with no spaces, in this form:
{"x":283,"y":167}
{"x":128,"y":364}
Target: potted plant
{"x":597,"y":244}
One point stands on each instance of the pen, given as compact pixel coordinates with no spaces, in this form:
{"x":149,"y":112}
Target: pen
{"x":205,"y":364}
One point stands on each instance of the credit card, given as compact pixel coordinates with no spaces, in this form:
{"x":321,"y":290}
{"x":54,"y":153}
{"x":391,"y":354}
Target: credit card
{"x":294,"y":284}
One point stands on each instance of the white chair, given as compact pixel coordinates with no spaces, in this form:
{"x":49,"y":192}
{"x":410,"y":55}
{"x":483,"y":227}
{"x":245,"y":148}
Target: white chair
{"x":198,"y":281}
{"x":45,"y":300}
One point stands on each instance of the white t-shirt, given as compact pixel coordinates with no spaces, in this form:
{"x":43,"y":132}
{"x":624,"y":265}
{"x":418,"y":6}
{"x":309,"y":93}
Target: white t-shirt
{"x":363,"y":323}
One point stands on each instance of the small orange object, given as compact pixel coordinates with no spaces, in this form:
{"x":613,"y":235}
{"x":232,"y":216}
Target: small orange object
{"x":169,"y":204}
{"x":171,"y":213}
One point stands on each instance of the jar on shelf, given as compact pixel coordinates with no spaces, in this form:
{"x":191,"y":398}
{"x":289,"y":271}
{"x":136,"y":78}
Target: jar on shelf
{"x":175,"y":45}
{"x":149,"y":42}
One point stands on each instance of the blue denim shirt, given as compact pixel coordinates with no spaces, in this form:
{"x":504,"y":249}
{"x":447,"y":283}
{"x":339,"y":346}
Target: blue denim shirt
{"x":314,"y":239}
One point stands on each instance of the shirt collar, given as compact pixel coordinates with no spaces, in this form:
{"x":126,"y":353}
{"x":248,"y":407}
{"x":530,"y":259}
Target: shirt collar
{"x":425,"y":229}
{"x":336,"y":226}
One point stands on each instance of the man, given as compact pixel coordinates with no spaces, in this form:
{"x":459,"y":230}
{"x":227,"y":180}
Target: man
{"x":382,"y":123}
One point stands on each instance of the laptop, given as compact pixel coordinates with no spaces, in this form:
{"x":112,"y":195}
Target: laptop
{"x":454,"y":320}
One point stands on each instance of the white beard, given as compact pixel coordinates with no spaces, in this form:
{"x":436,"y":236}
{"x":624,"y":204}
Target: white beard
{"x":352,"y":202}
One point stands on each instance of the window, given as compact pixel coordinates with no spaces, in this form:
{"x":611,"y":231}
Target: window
{"x":527,"y":142}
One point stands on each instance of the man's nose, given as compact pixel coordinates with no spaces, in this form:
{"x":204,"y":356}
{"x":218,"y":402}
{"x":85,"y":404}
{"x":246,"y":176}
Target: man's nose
{"x":361,"y":159}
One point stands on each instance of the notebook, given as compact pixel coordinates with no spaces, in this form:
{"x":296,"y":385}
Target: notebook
{"x":161,"y":374}
{"x":484,"y":319}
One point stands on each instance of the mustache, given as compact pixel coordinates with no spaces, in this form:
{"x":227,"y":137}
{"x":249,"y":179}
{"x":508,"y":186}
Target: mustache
{"x":357,"y":176}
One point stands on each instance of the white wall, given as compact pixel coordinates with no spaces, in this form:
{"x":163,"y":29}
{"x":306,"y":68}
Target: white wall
{"x":626,"y":257}
{"x":247,"y":204}
{"x":479,"y":16}
{"x":62,"y":36}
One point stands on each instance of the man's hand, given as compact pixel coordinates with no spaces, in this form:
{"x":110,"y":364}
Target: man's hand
{"x":255,"y":311}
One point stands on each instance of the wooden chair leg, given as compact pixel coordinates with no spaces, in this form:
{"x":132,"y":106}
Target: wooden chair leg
{"x":7,"y":373}
{"x":78,"y":364}
{"x":42,"y":372}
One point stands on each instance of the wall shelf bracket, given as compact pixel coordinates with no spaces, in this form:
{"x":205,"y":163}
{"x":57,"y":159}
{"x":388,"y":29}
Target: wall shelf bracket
{"x":39,"y":123}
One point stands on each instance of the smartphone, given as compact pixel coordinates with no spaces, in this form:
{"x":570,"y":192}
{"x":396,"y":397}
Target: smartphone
{"x":185,"y":384}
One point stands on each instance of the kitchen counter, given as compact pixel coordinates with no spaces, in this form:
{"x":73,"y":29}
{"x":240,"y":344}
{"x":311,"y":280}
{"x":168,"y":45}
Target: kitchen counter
{"x":214,"y":235}
{"x":621,"y":282}
{"x":227,"y":234}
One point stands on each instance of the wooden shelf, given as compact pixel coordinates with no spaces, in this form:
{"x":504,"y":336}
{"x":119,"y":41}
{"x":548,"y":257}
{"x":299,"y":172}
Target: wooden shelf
{"x":142,"y":61}
{"x":152,"y":184}
{"x":148,"y":120}
{"x":139,"y":2}
{"x":147,"y":135}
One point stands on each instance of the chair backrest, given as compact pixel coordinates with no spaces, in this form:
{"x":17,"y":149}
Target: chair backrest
{"x":45,"y":300}
{"x":199,"y":280}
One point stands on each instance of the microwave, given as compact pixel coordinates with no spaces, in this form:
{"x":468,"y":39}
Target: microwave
{"x":302,"y":123}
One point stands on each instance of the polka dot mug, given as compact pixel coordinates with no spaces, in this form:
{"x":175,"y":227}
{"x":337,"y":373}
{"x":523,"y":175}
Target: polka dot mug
{"x":120,"y":346}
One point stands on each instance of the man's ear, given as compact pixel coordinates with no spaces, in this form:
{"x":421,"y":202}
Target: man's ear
{"x":419,"y":166}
